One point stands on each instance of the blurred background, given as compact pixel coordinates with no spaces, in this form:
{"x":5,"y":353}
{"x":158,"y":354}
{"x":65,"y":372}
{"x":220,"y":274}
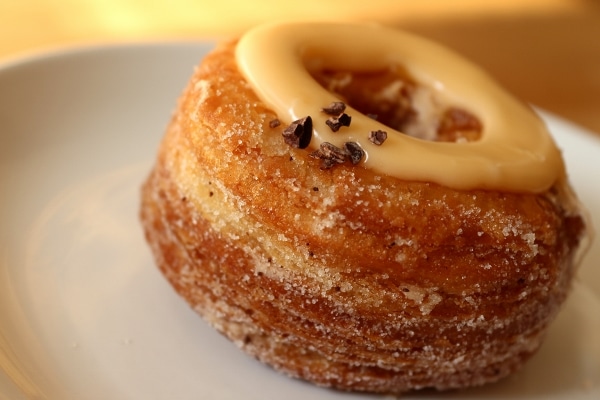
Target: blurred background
{"x":545,"y":51}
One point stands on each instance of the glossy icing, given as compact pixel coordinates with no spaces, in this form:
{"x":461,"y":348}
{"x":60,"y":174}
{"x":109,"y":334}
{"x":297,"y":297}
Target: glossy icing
{"x":515,"y":151}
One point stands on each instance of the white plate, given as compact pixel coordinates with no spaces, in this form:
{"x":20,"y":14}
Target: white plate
{"x":84,"y":314}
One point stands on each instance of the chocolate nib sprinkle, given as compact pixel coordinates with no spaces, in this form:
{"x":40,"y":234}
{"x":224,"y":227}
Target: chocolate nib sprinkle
{"x":355,"y":152}
{"x":335,"y":123}
{"x":274,"y":123}
{"x":332,"y":155}
{"x":378,"y":137}
{"x":335,"y":108}
{"x":299,"y":133}
{"x":332,"y":152}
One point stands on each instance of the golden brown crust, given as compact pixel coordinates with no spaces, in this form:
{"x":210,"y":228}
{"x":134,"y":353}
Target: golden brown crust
{"x":340,"y":276}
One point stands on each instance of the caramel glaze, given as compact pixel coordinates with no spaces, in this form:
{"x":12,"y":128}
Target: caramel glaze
{"x":514,"y":153}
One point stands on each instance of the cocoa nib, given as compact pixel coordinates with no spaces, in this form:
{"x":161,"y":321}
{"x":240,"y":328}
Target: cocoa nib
{"x":299,"y":133}
{"x":335,"y":123}
{"x":330,"y":152}
{"x":274,"y":123}
{"x":335,"y":108}
{"x":378,"y":137}
{"x":355,"y":152}
{"x":331,"y":155}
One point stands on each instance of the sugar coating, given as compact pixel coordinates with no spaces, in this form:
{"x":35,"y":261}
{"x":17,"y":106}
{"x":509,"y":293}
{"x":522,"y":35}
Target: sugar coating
{"x":342,"y":277}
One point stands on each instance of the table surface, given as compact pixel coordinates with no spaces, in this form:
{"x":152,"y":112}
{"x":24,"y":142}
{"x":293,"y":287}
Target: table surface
{"x":547,"y":52}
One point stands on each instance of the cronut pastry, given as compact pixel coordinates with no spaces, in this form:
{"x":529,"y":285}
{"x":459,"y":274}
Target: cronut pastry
{"x":340,"y":276}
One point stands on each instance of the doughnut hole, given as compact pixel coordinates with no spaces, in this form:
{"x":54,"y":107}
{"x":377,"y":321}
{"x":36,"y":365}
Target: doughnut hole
{"x":395,"y":99}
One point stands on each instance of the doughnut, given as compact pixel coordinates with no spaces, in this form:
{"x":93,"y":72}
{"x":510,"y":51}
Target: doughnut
{"x":363,"y":209}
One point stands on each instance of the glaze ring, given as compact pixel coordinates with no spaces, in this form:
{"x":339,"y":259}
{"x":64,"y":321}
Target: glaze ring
{"x":514,"y":153}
